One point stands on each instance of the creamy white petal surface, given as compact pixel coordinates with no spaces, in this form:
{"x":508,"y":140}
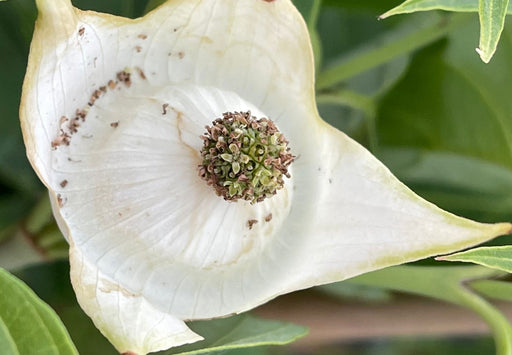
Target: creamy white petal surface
{"x":112,"y":111}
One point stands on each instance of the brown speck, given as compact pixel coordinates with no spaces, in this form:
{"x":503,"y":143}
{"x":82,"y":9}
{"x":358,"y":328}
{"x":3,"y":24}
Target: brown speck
{"x":73,"y":125}
{"x":114,"y":124}
{"x":138,"y":49}
{"x":124,"y":77}
{"x":181,"y":55}
{"x":63,"y":119}
{"x":81,"y":31}
{"x":129,"y":353}
{"x":251,"y":223}
{"x":142,"y":36}
{"x":119,"y":214}
{"x":59,"y":200}
{"x":164,"y":109}
{"x":268,"y":218}
{"x":63,"y":138}
{"x":141,"y":73}
{"x":330,"y":181}
{"x":63,"y":183}
{"x":103,"y":88}
{"x":112,"y":84}
{"x":81,"y":114}
{"x":95,"y":96}
{"x":175,"y":29}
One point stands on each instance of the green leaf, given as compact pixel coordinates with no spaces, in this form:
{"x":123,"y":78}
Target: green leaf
{"x":411,"y":6}
{"x":499,"y":258}
{"x":241,"y":331}
{"x":445,"y":283}
{"x":27,"y":324}
{"x":491,"y":12}
{"x":492,"y":20}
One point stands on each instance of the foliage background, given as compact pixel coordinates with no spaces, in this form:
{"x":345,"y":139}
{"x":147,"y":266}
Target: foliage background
{"x":410,"y":88}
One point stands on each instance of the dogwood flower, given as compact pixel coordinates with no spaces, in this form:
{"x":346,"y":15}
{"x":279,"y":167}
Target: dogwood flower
{"x":170,"y":221}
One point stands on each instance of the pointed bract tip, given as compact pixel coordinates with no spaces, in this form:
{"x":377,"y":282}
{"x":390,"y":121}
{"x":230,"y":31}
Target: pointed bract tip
{"x":483,"y":56}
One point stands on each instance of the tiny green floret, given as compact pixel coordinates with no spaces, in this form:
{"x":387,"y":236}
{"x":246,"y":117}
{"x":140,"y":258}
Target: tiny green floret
{"x":244,"y":157}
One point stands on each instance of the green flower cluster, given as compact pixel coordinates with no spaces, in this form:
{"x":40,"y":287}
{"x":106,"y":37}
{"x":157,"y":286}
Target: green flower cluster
{"x":244,"y":157}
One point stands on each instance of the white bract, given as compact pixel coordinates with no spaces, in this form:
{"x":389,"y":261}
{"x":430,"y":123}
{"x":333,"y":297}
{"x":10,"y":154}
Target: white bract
{"x":112,"y":114}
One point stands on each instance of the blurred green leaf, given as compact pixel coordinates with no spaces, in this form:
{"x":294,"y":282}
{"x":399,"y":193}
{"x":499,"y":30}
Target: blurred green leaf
{"x":27,"y":324}
{"x":374,"y":7}
{"x":499,"y":258}
{"x":406,"y":38}
{"x":492,"y":20}
{"x":411,"y":6}
{"x":445,"y":283}
{"x":153,"y":4}
{"x":482,"y":196}
{"x":500,"y":290}
{"x":455,"y":108}
{"x":242,"y":331}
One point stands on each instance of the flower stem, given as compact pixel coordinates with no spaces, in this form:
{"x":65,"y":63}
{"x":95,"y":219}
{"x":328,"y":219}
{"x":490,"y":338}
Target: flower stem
{"x":500,"y":326}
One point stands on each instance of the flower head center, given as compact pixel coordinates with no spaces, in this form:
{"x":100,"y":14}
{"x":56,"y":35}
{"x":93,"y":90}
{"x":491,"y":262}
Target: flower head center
{"x":244,"y":157}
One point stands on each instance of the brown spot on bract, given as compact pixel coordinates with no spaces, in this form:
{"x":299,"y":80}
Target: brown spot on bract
{"x":141,"y":73}
{"x":268,"y":218}
{"x":181,"y":55}
{"x":114,"y":124}
{"x":138,"y":49}
{"x":251,"y":223}
{"x":112,"y":84}
{"x":63,"y":183}
{"x":142,"y":36}
{"x":124,"y":77}
{"x":81,"y":31}
{"x":164,"y":109}
{"x":59,"y":200}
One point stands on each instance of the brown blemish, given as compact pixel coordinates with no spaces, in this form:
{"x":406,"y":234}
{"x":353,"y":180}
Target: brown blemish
{"x":181,"y":55}
{"x":63,"y":183}
{"x":73,"y":125}
{"x":330,"y":181}
{"x":95,"y":96}
{"x":60,"y":201}
{"x":81,"y":114}
{"x":112,"y":84}
{"x":179,"y":123}
{"x":164,"y":109}
{"x":114,"y":124}
{"x":63,"y":138}
{"x":124,"y":77}
{"x":141,"y":73}
{"x":268,"y":218}
{"x":129,"y":353}
{"x":81,"y":31}
{"x":251,"y":223}
{"x":138,"y":49}
{"x":142,"y":36}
